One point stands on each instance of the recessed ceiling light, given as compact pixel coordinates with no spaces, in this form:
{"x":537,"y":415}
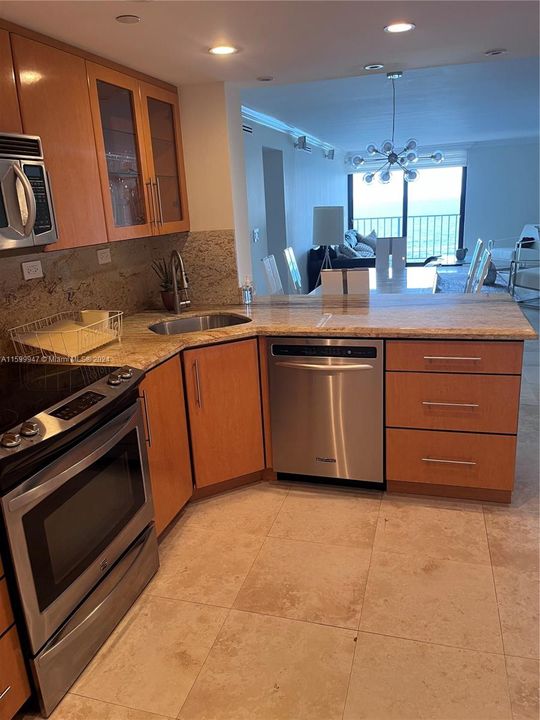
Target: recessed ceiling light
{"x":374,"y":66}
{"x":128,"y":19}
{"x":223,"y":50}
{"x":400,"y":27}
{"x":265,"y":78}
{"x":496,"y":51}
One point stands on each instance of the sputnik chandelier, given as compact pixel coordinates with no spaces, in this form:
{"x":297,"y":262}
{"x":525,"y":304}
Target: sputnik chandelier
{"x":393,"y":157}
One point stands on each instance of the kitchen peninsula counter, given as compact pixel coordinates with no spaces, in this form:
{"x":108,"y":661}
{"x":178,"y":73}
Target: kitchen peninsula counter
{"x":405,"y":316}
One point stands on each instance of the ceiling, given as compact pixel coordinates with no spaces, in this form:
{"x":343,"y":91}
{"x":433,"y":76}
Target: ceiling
{"x":459,"y":104}
{"x":299,"y":41}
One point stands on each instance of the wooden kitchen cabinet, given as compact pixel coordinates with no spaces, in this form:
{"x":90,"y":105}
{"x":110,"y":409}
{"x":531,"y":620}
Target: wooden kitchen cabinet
{"x":452,"y":417}
{"x":138,"y":139}
{"x":165,"y":158}
{"x":167,"y":438}
{"x":54,"y":104}
{"x":225,"y":415}
{"x":10,"y":119}
{"x":118,"y":132}
{"x":14,"y":687}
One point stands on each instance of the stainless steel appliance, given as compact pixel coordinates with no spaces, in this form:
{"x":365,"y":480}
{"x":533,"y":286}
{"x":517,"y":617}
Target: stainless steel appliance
{"x":326,"y":403}
{"x":77,"y":510}
{"x":26,"y":208}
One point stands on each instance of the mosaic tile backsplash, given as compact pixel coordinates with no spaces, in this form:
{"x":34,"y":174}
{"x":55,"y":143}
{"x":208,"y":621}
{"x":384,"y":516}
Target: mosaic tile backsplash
{"x":73,"y":279}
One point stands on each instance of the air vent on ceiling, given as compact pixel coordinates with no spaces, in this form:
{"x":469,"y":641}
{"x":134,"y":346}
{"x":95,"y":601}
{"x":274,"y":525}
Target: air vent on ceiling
{"x":20,"y":146}
{"x":247,"y":128}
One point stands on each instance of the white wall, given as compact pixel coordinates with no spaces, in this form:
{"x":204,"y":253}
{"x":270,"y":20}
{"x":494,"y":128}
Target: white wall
{"x":503,"y":190}
{"x":205,"y":142}
{"x":310,"y":180}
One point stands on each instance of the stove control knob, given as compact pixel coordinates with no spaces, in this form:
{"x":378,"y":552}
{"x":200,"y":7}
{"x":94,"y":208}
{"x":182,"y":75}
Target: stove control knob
{"x":10,"y":440}
{"x":114,"y":379}
{"x":29,"y":428}
{"x":125,"y":373}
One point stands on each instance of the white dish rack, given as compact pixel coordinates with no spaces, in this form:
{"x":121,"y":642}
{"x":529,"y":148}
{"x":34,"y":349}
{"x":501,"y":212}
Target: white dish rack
{"x":69,"y":334}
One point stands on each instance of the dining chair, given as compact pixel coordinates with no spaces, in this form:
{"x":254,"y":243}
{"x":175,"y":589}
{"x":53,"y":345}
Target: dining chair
{"x":482,"y":271}
{"x":273,"y":281}
{"x":294,"y":272}
{"x":475,"y":260}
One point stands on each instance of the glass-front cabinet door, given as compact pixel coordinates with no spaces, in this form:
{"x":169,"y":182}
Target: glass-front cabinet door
{"x":165,"y":158}
{"x":122,"y":157}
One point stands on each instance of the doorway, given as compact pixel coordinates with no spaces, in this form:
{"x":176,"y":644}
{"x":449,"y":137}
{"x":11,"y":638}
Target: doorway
{"x":274,"y":198}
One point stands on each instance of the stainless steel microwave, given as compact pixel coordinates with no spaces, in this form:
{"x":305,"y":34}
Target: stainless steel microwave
{"x":26,"y":208}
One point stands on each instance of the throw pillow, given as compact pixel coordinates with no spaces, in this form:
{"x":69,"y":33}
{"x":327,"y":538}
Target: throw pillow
{"x":364,"y":250}
{"x":351,"y":238}
{"x":370,"y":240}
{"x":347,"y":251}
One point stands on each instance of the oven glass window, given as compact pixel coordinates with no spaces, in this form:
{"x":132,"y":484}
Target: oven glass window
{"x":71,"y":527}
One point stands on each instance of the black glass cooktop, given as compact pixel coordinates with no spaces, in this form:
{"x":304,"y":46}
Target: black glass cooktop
{"x":27,"y":389}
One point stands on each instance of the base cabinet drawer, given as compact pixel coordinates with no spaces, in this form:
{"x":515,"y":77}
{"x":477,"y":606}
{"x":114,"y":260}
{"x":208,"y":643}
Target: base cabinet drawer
{"x":450,"y":458}
{"x":455,"y":356}
{"x":14,"y":688}
{"x":441,"y":401}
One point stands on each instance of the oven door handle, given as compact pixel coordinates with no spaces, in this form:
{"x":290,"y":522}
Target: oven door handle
{"x":55,"y":475}
{"x":30,"y":200}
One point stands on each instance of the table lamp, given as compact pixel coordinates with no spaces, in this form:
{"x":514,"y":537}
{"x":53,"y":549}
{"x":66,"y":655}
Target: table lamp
{"x":328,"y":230}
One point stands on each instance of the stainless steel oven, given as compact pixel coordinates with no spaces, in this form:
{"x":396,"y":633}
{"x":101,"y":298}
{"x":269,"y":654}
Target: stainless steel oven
{"x":26,"y":208}
{"x":80,"y":530}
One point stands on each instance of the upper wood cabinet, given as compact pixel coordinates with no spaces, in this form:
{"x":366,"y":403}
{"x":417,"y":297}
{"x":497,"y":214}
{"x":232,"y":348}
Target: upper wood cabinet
{"x":10,"y":119}
{"x":53,"y":96}
{"x":167,"y":437}
{"x":165,"y":157}
{"x":137,"y":135}
{"x":225,"y":416}
{"x":118,"y":131}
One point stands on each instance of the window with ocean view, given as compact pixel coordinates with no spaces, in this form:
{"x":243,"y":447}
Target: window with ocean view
{"x":428,"y":211}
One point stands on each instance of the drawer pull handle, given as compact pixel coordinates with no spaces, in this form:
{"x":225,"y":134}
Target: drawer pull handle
{"x":451,"y":357}
{"x":448,"y":462}
{"x":3,"y":694}
{"x":448,"y":404}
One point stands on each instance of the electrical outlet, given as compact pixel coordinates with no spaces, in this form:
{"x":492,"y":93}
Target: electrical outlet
{"x":32,"y":270}
{"x":256,"y":235}
{"x":104,"y":256}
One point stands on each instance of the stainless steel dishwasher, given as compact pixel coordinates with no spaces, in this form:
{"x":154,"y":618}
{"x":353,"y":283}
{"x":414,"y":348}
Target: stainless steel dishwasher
{"x":326,"y":403}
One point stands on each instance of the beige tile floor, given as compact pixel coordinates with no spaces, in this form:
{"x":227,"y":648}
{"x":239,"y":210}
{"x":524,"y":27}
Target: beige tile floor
{"x":317,"y":603}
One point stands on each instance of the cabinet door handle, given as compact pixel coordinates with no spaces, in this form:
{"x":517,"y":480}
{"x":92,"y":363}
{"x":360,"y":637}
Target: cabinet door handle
{"x":146,"y":418}
{"x":198,"y":397}
{"x":5,"y":692}
{"x":449,"y":404}
{"x":451,"y":357}
{"x":158,"y":195}
{"x":448,"y":462}
{"x":151,"y":202}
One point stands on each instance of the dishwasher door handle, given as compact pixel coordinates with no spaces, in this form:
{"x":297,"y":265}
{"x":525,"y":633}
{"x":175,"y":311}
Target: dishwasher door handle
{"x":325,"y":368}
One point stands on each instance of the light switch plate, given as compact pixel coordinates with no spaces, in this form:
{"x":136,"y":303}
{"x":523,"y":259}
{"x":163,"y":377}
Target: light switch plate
{"x":256,"y":235}
{"x":104,"y":256}
{"x":32,"y":270}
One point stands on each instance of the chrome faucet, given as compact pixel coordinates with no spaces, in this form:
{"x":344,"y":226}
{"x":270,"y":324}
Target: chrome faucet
{"x":181,"y":299}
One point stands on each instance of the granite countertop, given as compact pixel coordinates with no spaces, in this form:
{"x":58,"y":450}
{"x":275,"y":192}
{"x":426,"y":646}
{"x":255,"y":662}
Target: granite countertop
{"x":439,"y":316}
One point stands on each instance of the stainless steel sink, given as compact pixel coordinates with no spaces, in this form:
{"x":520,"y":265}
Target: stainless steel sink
{"x":196,"y":323}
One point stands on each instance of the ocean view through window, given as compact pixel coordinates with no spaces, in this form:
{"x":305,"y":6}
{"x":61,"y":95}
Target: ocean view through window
{"x":428,"y":211}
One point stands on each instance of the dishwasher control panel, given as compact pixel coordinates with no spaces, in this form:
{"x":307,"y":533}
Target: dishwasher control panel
{"x":333,"y":351}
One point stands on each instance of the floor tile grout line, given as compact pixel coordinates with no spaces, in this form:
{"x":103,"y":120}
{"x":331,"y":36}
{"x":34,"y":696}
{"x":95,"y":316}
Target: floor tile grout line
{"x":115,"y":704}
{"x":229,"y":610}
{"x":498,"y":614}
{"x":437,"y":644}
{"x":361,"y":611}
{"x":203,"y":664}
{"x":258,"y":552}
